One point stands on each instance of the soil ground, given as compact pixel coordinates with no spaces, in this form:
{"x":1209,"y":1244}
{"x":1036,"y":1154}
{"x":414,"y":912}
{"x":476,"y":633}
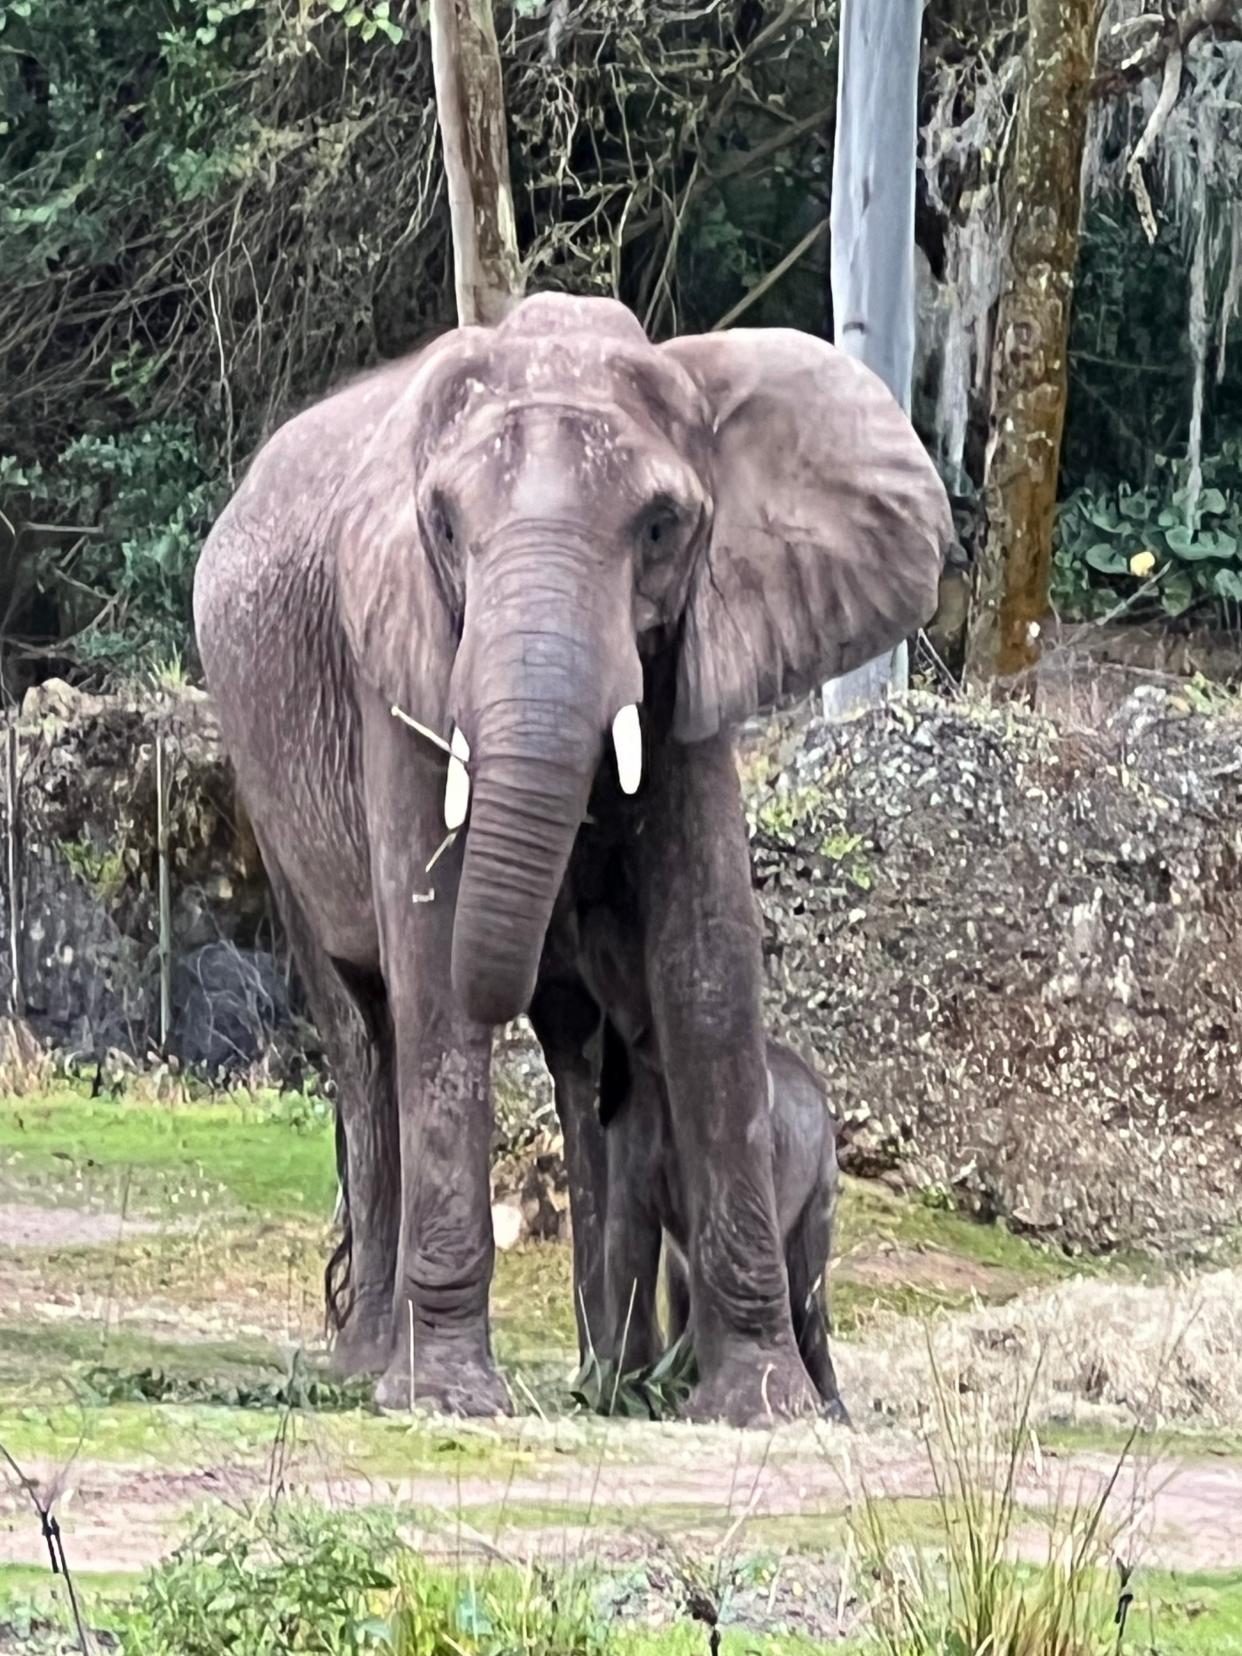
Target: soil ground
{"x":159,"y":1277}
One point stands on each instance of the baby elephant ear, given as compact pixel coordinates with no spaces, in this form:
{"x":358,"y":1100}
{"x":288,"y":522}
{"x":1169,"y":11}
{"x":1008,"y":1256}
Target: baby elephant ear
{"x":829,"y":531}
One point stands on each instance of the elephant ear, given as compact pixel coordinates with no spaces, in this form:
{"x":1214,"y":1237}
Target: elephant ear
{"x":829,"y":532}
{"x":398,"y":608}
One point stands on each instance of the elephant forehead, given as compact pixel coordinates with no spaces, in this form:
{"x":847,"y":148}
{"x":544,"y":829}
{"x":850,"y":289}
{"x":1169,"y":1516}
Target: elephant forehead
{"x":531,"y":456}
{"x":526,"y":442}
{"x":578,"y":368}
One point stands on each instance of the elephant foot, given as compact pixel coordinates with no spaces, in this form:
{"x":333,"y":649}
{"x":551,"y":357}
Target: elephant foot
{"x":356,"y":1355}
{"x":758,"y":1389}
{"x":835,"y":1413}
{"x":445,"y":1384}
{"x":364,"y":1345}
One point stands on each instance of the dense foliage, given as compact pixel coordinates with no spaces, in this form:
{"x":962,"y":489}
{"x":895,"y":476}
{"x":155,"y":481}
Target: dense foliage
{"x":212,"y":209}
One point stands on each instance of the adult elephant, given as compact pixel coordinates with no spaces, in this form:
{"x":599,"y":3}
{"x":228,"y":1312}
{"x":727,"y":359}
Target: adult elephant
{"x":579,"y":559}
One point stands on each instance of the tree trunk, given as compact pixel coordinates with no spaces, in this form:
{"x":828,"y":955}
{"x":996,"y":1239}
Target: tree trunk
{"x":1029,"y":380}
{"x":873,"y":237}
{"x":470,"y":106}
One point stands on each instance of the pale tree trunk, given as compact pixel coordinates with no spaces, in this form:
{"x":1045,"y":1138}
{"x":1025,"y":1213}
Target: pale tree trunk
{"x":873,"y":237}
{"x":470,"y":106}
{"x":1029,"y":374}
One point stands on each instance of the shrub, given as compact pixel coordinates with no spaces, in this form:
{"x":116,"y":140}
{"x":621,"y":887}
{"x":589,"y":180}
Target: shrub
{"x":281,"y":1580}
{"x":285,"y":1579}
{"x":1154,"y":548}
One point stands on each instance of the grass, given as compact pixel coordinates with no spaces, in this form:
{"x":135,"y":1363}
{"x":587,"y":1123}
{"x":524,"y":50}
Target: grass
{"x":1168,"y":1442}
{"x":1187,"y":1615}
{"x":258,"y":1155}
{"x":973,"y":1595}
{"x":342,"y":1584}
{"x":231,"y":1282}
{"x":213,"y":1437}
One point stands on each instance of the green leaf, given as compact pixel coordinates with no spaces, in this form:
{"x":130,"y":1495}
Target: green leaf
{"x":1213,"y":500}
{"x":354,"y":16}
{"x":1227,"y":583}
{"x":1177,"y":593}
{"x":394,"y":31}
{"x":1104,"y":516}
{"x":1109,"y":560}
{"x":1221,"y":543}
{"x":1190,"y":547}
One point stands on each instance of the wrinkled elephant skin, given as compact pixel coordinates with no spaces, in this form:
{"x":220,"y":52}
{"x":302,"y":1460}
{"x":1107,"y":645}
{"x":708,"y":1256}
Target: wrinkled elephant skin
{"x":578,"y":560}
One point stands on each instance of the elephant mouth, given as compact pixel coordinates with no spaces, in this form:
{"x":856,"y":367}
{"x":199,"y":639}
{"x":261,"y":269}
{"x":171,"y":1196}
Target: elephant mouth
{"x":627,"y":753}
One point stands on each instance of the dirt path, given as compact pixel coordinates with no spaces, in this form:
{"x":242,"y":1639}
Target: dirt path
{"x":23,"y":1225}
{"x":694,"y":1486}
{"x":567,"y":1487}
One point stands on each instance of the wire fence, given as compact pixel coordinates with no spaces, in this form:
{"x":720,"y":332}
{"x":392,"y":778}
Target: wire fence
{"x":127,"y":936}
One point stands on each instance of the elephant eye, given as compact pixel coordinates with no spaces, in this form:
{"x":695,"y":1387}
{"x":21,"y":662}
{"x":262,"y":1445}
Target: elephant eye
{"x":441,"y":520}
{"x":659,"y":524}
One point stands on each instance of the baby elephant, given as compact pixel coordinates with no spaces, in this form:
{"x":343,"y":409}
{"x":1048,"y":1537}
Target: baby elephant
{"x":646,"y":1202}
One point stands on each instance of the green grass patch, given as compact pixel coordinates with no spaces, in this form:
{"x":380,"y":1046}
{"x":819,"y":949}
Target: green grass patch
{"x":179,"y":1438}
{"x":187,"y":1439}
{"x":32,"y":1352}
{"x":869,"y":1214}
{"x":262,"y":1154}
{"x":1169,"y":1442}
{"x":1186,"y":1615}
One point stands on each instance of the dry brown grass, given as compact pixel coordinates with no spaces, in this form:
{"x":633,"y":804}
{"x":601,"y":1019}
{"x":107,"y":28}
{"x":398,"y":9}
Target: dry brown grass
{"x":1165,"y":1354}
{"x":26,"y":1068}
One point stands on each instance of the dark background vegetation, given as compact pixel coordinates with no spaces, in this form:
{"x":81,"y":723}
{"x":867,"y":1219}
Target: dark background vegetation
{"x":210,"y":212}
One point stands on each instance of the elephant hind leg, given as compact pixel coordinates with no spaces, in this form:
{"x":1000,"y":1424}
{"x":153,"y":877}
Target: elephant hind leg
{"x":806,"y":1255}
{"x":565,"y":1019}
{"x":350,"y":1010}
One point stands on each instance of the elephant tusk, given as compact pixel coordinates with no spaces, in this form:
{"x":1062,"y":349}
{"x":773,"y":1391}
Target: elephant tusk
{"x":627,"y":742}
{"x":457,"y":785}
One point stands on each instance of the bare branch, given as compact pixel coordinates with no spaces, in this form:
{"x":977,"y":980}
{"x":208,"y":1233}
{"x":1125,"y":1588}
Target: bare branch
{"x":1147,"y":142}
{"x":1177,"y":34}
{"x":803,"y":245}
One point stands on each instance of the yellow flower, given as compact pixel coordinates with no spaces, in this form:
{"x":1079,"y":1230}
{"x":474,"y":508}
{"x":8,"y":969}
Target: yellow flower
{"x":1142,"y":563}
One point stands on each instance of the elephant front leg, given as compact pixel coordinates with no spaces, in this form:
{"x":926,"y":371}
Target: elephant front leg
{"x":441,"y":1349}
{"x":703,"y":968}
{"x":441,"y":1342}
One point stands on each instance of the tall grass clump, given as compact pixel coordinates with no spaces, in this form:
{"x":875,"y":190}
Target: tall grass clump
{"x":971,"y":1595}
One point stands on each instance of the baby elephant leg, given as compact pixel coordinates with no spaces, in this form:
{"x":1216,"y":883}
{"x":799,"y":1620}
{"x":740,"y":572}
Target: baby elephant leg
{"x":806,"y":1178}
{"x":632,"y":1225}
{"x":677,"y":1285}
{"x":807,"y":1254}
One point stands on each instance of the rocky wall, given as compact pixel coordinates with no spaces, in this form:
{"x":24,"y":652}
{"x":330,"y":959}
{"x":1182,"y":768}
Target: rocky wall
{"x":1011,"y":943}
{"x":1013,"y":947}
{"x":87,"y":904}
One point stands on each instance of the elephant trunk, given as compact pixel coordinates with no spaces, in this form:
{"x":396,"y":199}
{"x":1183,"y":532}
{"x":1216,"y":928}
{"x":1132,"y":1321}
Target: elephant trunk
{"x":538,"y":700}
